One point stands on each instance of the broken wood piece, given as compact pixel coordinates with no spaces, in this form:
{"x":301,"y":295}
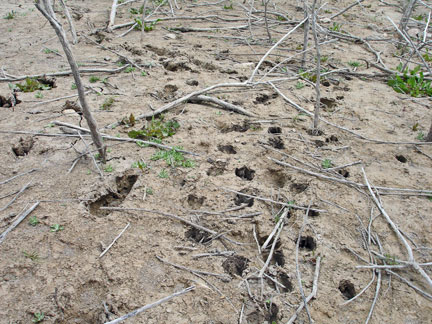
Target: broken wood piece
{"x":223,"y":104}
{"x":112,"y":243}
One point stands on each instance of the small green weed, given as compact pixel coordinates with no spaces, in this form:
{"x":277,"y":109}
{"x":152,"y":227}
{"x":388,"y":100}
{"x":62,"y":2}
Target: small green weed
{"x":326,"y":164}
{"x":10,"y":15}
{"x":354,"y":64}
{"x":390,"y":259}
{"x":299,"y":85}
{"x":427,"y":56}
{"x":38,"y":317}
{"x":228,"y":7}
{"x":50,"y":125}
{"x":130,"y":69}
{"x":163,"y":174}
{"x":149,"y":191}
{"x":412,"y":82}
{"x":73,"y":86}
{"x":147,"y":28}
{"x":419,"y":17}
{"x":140,"y":165}
{"x":94,"y":79}
{"x":281,"y":18}
{"x":33,"y":221}
{"x":31,"y":255}
{"x":429,"y":198}
{"x":157,"y":128}
{"x":134,"y":11}
{"x":107,"y":103}
{"x":31,"y":85}
{"x":56,"y":228}
{"x":144,"y":73}
{"x":39,"y":95}
{"x":109,"y":168}
{"x":173,"y":158}
{"x":420,"y":136}
{"x":50,"y":51}
{"x":324,"y":58}
{"x":336,"y":27}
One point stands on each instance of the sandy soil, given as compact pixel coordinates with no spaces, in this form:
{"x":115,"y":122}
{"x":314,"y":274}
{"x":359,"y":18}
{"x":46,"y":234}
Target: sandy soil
{"x":60,"y":274}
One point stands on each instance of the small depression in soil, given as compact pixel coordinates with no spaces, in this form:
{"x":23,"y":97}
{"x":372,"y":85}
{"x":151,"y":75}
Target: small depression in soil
{"x":113,"y":199}
{"x":276,"y":142}
{"x":235,"y":265}
{"x":197,"y":235}
{"x":347,"y":289}
{"x":307,"y":242}
{"x":245,"y":173}
{"x":401,"y":158}
{"x":23,"y":147}
{"x":241,"y":199}
{"x":228,"y":149}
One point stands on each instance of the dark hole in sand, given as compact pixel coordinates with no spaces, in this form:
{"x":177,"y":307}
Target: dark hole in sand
{"x":299,"y":187}
{"x":229,"y":149}
{"x":401,"y":158}
{"x":344,"y":173}
{"x":307,"y":242}
{"x":23,"y":147}
{"x":274,"y":130}
{"x":245,"y":173}
{"x":332,"y":138}
{"x":347,"y":289}
{"x":197,"y":235}
{"x":285,"y":280}
{"x":276,"y":142}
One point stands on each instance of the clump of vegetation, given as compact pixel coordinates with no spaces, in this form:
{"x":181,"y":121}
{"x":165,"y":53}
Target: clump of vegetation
{"x":354,"y":64}
{"x":336,"y":27}
{"x":163,"y":174}
{"x":38,"y":317}
{"x":147,"y":27}
{"x":31,"y":255}
{"x":299,"y":85}
{"x":311,"y":76}
{"x":94,"y":79}
{"x":49,"y":51}
{"x":427,"y":56}
{"x":56,"y":228}
{"x":33,"y":221}
{"x":228,"y":7}
{"x":109,"y":168}
{"x":140,"y":165}
{"x":157,"y":128}
{"x":31,"y":85}
{"x":129,"y":69}
{"x":326,"y":164}
{"x":128,"y":121}
{"x":173,"y":158}
{"x":107,"y":103}
{"x":10,"y":15}
{"x":412,"y":82}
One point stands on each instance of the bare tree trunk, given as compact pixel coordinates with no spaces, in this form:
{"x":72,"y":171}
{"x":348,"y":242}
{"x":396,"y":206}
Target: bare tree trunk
{"x":306,"y":33}
{"x":428,"y":137}
{"x":46,"y":9}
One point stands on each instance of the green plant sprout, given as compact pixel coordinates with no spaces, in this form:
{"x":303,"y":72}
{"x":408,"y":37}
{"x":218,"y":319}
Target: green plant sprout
{"x":412,"y":82}
{"x":163,"y":174}
{"x":109,"y":168}
{"x":140,"y":165}
{"x":10,"y":15}
{"x":173,"y":158}
{"x":39,"y":95}
{"x":299,"y":85}
{"x":31,"y":255}
{"x":326,"y":164}
{"x":31,"y":85}
{"x":228,"y":7}
{"x":149,"y":191}
{"x":420,"y":136}
{"x":130,"y":69}
{"x":33,"y":221}
{"x":107,"y":103}
{"x":38,"y":317}
{"x":56,"y":228}
{"x":336,"y":27}
{"x":354,"y":64}
{"x":147,"y":28}
{"x":157,"y":128}
{"x":94,"y":79}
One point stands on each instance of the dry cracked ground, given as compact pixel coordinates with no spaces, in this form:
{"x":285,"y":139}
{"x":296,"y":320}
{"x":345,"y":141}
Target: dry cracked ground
{"x":256,"y":207}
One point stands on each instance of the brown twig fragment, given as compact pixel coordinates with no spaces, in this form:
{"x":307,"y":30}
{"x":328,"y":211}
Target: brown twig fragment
{"x":112,"y":243}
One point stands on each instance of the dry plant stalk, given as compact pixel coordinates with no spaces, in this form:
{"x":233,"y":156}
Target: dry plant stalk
{"x":46,"y":9}
{"x":318,"y":71}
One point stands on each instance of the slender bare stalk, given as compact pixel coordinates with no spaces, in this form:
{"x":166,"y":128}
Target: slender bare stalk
{"x":112,"y":14}
{"x":266,"y":22}
{"x":406,"y":15}
{"x":143,"y":16}
{"x":318,"y":71}
{"x":305,"y":34}
{"x":44,"y":6}
{"x":69,"y":19}
{"x":428,"y":137}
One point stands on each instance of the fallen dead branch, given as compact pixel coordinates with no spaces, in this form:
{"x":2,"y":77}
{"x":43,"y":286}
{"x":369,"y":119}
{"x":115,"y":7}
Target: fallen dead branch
{"x":222,"y":104}
{"x":146,"y":307}
{"x":16,"y":196}
{"x":17,"y":221}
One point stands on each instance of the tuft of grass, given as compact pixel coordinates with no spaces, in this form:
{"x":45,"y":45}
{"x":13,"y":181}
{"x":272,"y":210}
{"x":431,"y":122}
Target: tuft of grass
{"x":326,"y":164}
{"x":56,"y":228}
{"x":156,"y":129}
{"x":130,"y":69}
{"x":73,"y":86}
{"x":39,"y":95}
{"x":140,"y":165}
{"x":33,"y":221}
{"x":94,"y":79}
{"x":354,"y":64}
{"x":107,"y":103}
{"x":149,"y":191}
{"x":163,"y":174}
{"x":420,"y":136}
{"x":412,"y":82}
{"x":228,"y":7}
{"x":427,"y":56}
{"x":31,"y":255}
{"x":336,"y":27}
{"x":173,"y":158}
{"x":50,"y":51}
